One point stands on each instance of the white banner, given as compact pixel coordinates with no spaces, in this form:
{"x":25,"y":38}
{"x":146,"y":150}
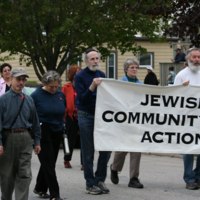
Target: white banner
{"x":142,"y":118}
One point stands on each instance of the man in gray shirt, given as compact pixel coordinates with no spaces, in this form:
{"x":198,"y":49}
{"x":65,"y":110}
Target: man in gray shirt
{"x":17,"y":117}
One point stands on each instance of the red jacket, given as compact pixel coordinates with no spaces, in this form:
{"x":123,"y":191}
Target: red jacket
{"x":70,"y":96}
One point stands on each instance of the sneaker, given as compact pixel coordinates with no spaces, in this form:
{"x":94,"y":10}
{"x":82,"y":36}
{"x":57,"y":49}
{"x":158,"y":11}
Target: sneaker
{"x":103,"y":187}
{"x":42,"y":195}
{"x":114,"y":176}
{"x":192,"y":186}
{"x":93,"y":190}
{"x":135,"y":183}
{"x":67,"y":164}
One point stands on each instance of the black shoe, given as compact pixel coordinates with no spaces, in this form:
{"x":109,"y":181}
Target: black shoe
{"x":192,"y":186}
{"x":114,"y":176}
{"x":135,"y":183}
{"x":42,"y":195}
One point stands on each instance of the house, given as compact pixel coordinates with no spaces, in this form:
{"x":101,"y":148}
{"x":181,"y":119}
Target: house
{"x":158,"y":55}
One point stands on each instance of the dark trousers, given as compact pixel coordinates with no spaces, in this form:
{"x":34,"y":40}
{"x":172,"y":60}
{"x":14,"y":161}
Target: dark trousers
{"x":72,"y":134}
{"x":46,"y":179}
{"x":92,"y":177}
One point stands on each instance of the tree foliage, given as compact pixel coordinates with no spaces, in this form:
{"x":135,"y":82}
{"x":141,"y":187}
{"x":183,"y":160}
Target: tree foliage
{"x":185,"y":20}
{"x":50,"y":34}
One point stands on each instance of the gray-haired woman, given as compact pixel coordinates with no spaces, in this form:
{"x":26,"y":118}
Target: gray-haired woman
{"x":50,"y":104}
{"x":131,"y":66}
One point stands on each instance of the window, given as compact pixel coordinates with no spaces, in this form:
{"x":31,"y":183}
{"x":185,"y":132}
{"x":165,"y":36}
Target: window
{"x":147,"y":59}
{"x":111,"y":66}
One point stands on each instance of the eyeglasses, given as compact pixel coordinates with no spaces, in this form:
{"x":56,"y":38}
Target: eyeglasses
{"x":21,"y":79}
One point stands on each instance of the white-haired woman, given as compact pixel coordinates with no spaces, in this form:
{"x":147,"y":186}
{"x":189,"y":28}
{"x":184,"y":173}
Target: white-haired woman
{"x":131,"y":67}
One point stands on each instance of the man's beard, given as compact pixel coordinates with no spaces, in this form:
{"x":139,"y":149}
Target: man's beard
{"x":93,"y":67}
{"x":195,"y":67}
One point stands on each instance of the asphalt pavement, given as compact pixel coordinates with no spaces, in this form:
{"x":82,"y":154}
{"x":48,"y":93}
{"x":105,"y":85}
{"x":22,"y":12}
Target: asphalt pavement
{"x":161,"y":176}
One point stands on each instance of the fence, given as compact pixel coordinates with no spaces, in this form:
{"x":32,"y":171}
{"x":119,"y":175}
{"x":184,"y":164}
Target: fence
{"x":164,"y":71}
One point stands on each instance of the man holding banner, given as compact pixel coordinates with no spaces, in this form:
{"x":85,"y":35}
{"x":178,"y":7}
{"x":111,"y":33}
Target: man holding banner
{"x":191,"y":76}
{"x":86,"y":82}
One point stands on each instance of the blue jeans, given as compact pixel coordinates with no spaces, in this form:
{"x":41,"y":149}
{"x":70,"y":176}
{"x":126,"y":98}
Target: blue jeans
{"x":86,"y":127}
{"x":190,"y":175}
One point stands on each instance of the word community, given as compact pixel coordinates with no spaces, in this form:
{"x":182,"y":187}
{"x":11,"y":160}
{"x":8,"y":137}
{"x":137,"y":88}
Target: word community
{"x":149,"y":118}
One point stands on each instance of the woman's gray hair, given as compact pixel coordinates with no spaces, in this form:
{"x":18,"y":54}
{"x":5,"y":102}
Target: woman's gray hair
{"x":128,"y":62}
{"x":51,"y":76}
{"x":189,"y":51}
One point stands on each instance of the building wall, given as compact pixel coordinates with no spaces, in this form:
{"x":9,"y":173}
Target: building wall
{"x":162,"y":53}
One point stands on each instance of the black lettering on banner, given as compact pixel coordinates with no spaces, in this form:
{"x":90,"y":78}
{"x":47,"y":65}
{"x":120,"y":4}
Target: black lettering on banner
{"x":171,"y":137}
{"x":132,"y":118}
{"x":191,"y":102}
{"x":120,"y":119}
{"x":171,"y":101}
{"x":155,"y":139}
{"x":105,"y":117}
{"x":153,"y":100}
{"x":170,"y":134}
{"x":187,"y":138}
{"x":146,"y":136}
{"x":197,"y":138}
{"x":149,"y":118}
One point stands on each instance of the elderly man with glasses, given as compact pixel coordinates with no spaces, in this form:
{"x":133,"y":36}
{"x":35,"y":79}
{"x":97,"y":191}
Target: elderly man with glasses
{"x":17,"y":117}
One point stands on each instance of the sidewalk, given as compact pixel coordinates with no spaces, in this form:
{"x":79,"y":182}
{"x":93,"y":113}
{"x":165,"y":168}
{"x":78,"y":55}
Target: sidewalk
{"x":161,"y":176}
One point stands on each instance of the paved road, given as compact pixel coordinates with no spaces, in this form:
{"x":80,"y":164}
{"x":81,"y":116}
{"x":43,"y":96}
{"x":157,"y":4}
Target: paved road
{"x":161,"y":176}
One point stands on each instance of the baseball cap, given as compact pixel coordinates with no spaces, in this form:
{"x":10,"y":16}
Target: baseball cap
{"x":19,"y":72}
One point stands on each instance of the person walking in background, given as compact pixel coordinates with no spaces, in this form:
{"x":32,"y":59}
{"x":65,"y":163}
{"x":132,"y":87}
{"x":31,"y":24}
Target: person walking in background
{"x":86,"y":82}
{"x":17,"y":117}
{"x":50,"y":105}
{"x":131,"y":67}
{"x":179,"y":57}
{"x":171,"y":76}
{"x":190,"y":75}
{"x":71,"y":121}
{"x":5,"y":80}
{"x":151,"y":78}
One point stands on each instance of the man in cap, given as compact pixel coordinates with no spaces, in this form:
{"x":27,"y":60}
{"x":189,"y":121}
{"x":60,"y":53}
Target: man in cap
{"x":17,"y":117}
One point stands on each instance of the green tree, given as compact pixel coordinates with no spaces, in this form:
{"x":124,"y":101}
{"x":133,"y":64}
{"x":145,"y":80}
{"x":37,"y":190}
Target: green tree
{"x":50,"y":34}
{"x":185,"y":21}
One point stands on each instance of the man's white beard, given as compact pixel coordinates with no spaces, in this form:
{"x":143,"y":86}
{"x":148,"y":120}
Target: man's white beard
{"x":93,"y":68}
{"x":194,"y":67}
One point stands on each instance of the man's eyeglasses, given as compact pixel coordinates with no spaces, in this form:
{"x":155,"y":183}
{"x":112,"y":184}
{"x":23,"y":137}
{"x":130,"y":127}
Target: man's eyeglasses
{"x":21,"y":79}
